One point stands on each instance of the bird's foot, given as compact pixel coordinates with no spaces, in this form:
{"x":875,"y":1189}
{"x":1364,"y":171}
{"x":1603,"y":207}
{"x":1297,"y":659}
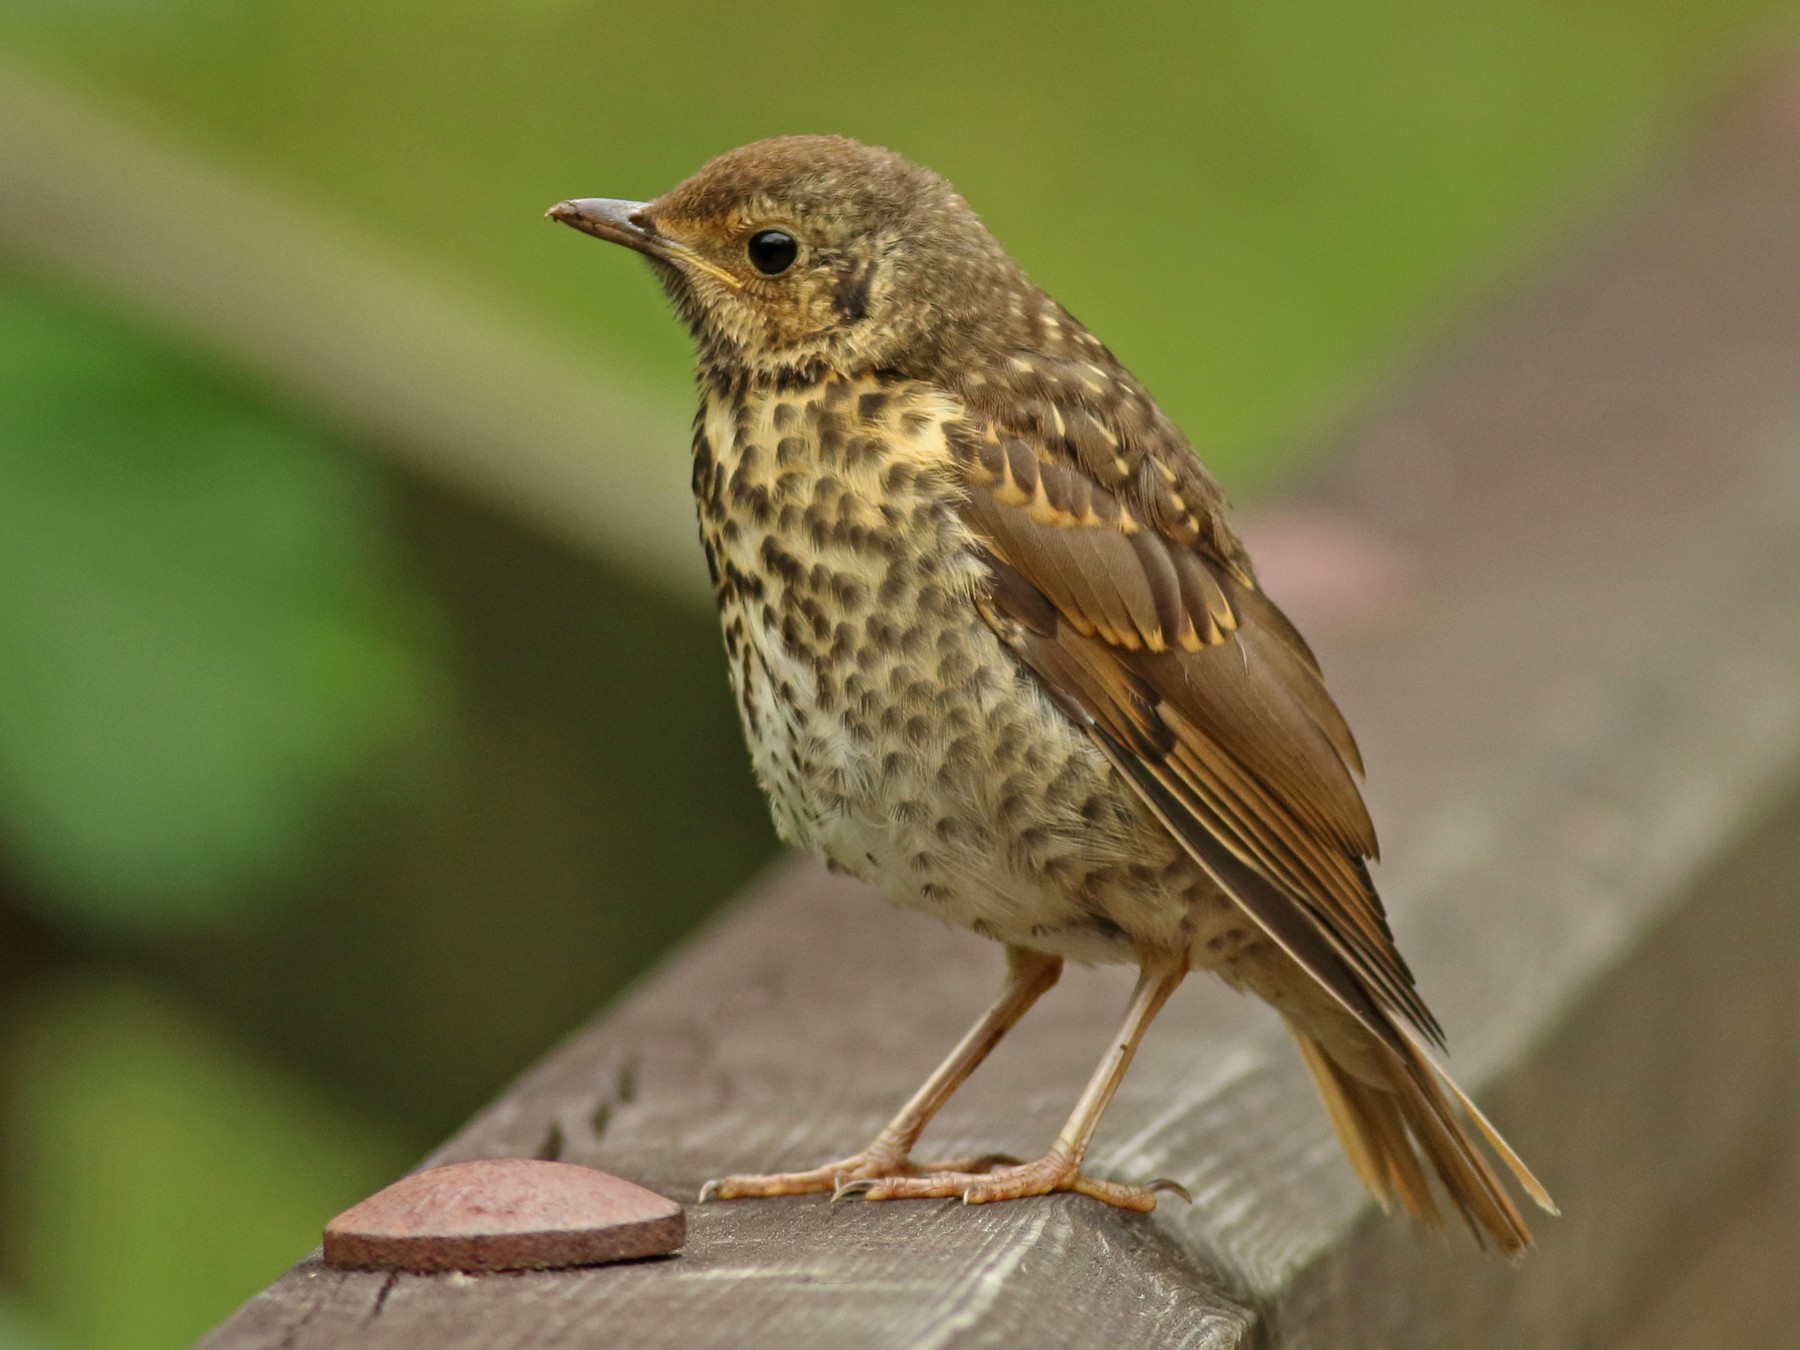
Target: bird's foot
{"x":871,"y":1165}
{"x":1055,"y":1171}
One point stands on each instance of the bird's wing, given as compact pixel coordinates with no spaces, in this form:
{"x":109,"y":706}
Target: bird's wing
{"x":1136,"y":609}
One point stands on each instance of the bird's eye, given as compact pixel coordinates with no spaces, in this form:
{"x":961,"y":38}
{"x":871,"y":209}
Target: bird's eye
{"x":772,"y":252}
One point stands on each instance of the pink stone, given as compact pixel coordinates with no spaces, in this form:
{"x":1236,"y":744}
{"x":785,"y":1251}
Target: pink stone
{"x":504,"y":1214}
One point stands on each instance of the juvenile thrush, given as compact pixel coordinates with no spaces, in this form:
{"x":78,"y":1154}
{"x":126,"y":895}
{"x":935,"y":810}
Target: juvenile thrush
{"x":999,"y":654}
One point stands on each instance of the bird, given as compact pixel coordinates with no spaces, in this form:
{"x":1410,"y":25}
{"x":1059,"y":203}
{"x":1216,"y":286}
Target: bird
{"x":999,"y":653}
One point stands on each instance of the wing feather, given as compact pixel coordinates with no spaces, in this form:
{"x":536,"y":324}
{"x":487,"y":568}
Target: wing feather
{"x":1137,"y":611}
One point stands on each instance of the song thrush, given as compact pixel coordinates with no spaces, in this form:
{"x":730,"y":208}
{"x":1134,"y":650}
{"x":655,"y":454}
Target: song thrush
{"x":999,"y":654}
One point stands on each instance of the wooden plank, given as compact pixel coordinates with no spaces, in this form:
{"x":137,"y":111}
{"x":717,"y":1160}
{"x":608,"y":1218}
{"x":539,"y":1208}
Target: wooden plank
{"x":1584,"y":739}
{"x":1735,"y":1287}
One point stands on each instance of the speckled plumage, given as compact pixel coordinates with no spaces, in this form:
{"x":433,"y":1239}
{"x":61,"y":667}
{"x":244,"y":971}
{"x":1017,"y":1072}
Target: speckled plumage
{"x":895,"y":735}
{"x":999,"y":653}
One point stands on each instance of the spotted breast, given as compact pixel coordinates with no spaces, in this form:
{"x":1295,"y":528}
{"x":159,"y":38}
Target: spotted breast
{"x":891,"y":730}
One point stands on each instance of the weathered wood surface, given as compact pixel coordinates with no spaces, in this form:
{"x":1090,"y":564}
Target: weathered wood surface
{"x":1736,"y":1287}
{"x":1584,"y":741}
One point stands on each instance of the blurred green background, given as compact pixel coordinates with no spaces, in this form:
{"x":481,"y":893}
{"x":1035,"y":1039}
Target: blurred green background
{"x":331,"y":792}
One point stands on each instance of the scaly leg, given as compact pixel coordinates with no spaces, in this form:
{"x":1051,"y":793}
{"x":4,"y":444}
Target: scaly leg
{"x":1028,"y":975}
{"x":1060,"y":1168}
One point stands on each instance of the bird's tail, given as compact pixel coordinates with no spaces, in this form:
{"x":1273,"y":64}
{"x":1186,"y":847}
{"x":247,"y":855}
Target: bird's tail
{"x":1392,"y":1133}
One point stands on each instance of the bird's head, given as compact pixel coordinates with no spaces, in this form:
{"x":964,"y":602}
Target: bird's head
{"x":804,"y":255}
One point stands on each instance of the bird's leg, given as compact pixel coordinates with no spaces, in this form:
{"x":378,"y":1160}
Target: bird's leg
{"x":1060,"y":1168}
{"x":1028,"y":975}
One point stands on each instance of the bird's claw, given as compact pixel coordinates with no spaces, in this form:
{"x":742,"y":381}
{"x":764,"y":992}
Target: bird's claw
{"x":857,"y":1175}
{"x":1170,"y":1186}
{"x":1008,"y":1182}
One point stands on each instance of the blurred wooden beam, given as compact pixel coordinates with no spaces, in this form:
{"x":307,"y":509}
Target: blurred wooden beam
{"x":270,"y":282}
{"x":1584,"y":742}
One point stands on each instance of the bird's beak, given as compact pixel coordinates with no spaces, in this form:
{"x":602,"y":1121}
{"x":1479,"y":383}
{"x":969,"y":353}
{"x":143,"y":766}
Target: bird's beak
{"x":607,"y":218}
{"x":625,"y":223}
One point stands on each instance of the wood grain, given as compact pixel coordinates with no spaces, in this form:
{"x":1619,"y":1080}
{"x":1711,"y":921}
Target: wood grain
{"x":1583,"y":741}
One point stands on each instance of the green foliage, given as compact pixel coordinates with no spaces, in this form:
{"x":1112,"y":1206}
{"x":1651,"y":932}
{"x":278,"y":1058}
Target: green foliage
{"x":19,"y":1333}
{"x":1257,"y":205}
{"x":162,"y":1175}
{"x":197,"y":640}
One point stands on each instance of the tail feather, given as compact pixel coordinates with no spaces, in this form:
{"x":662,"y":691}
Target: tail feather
{"x":1391,"y":1133}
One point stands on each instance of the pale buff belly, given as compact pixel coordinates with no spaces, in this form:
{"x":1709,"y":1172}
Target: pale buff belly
{"x":979,"y":805}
